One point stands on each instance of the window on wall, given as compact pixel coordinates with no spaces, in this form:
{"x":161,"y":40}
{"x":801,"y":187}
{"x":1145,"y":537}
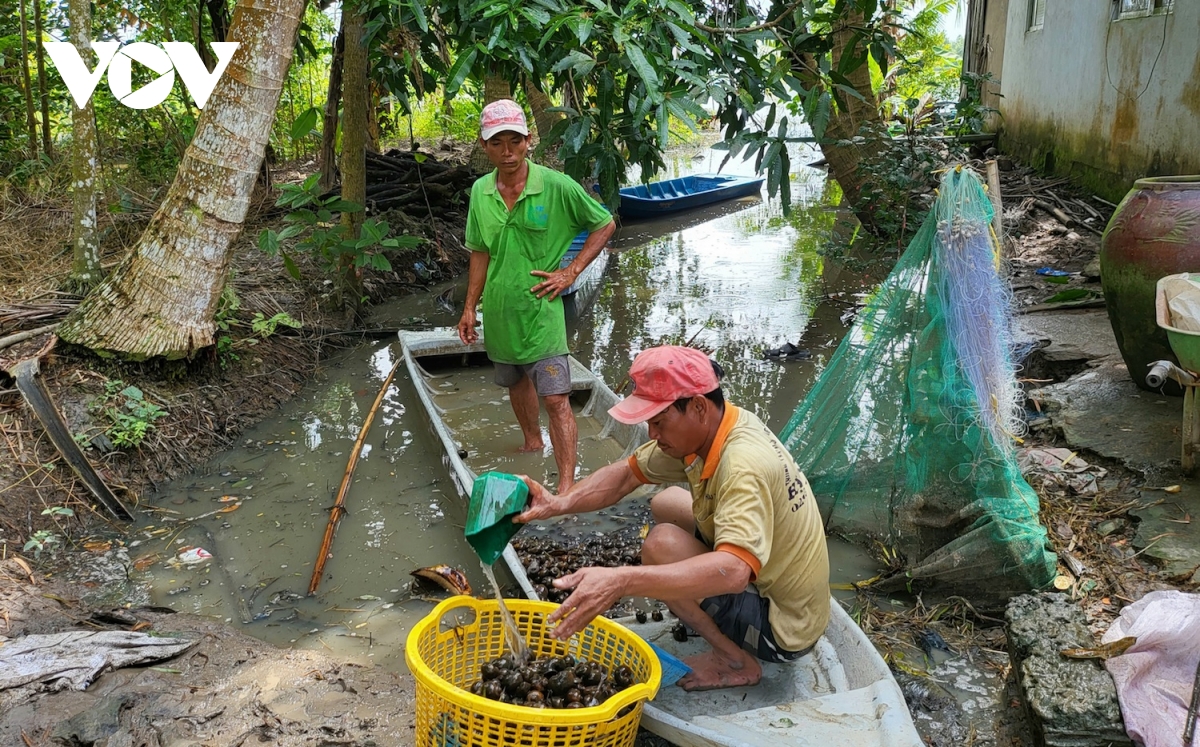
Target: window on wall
{"x":1037,"y":14}
{"x":1141,"y":8}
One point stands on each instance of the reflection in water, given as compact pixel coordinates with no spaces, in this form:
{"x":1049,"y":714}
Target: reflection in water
{"x":741,"y":283}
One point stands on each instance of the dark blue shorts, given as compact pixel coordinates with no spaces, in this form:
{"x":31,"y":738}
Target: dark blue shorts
{"x":744,"y":618}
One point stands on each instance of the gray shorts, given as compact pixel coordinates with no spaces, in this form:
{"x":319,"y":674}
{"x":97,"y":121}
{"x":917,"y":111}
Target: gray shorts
{"x":550,"y":375}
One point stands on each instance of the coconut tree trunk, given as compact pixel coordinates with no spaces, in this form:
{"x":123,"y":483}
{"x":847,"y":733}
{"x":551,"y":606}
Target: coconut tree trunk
{"x":329,"y":124}
{"x":539,"y":103}
{"x":495,"y":87}
{"x":85,"y":155}
{"x":30,"y":120}
{"x":160,"y":300}
{"x":40,"y":53}
{"x":355,"y":98}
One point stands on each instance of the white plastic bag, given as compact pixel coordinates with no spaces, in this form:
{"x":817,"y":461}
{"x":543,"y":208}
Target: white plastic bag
{"x":1154,"y":676}
{"x":1183,"y":301}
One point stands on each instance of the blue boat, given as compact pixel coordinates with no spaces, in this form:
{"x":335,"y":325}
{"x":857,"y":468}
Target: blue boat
{"x":685,"y":193}
{"x":593,"y":271}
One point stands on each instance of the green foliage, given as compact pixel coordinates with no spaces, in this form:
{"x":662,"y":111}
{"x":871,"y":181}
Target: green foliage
{"x":131,"y":416}
{"x":901,"y":180}
{"x":928,"y":63}
{"x":264,"y":327}
{"x":41,"y":541}
{"x":312,"y":220}
{"x":970,"y":113}
{"x":58,"y":511}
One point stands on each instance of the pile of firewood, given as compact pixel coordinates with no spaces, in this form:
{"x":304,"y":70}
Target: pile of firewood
{"x":415,"y":182}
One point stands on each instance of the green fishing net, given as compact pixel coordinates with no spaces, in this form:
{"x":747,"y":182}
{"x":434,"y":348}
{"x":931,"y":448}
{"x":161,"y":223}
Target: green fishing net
{"x":908,"y":437}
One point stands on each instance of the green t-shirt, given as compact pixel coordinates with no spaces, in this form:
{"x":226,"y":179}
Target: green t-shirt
{"x":518,"y":326}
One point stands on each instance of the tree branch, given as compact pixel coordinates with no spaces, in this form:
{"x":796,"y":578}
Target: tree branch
{"x":747,"y":29}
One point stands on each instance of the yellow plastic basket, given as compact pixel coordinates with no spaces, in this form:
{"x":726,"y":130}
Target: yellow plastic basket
{"x":446,"y":649}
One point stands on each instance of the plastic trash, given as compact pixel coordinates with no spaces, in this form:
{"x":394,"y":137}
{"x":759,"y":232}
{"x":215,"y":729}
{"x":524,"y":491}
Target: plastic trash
{"x":1051,"y":272}
{"x":1182,"y":293}
{"x":672,"y":668}
{"x":193,"y":555}
{"x":496,"y":498}
{"x":1154,"y":676}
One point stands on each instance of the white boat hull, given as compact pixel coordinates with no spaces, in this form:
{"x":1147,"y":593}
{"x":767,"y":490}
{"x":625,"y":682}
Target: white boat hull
{"x":840,"y":695}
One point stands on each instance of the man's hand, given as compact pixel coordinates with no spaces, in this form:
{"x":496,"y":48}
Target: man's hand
{"x":555,"y":282}
{"x":542,"y":503}
{"x":596,"y":589}
{"x":466,"y":327}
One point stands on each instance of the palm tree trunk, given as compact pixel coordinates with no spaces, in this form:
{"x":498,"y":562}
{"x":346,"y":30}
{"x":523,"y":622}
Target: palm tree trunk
{"x":161,"y":298}
{"x":85,"y":167}
{"x":333,"y":100}
{"x":539,"y":102}
{"x":40,"y":53}
{"x":355,"y":95}
{"x":30,"y":121}
{"x":495,"y":88}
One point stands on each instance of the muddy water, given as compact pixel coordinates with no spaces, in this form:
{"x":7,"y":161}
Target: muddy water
{"x":745,"y":280}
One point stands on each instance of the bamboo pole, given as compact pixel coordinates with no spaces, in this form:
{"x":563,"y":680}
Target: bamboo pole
{"x":993,"y":182}
{"x":339,"y":504}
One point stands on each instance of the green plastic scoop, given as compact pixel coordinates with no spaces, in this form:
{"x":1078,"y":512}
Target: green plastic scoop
{"x":496,"y":498}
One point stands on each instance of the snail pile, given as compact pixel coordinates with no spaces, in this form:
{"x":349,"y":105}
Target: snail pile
{"x":550,"y":682}
{"x":546,"y":560}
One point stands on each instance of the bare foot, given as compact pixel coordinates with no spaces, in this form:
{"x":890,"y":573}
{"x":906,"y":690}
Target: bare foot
{"x":531,"y":446}
{"x":711,"y":671}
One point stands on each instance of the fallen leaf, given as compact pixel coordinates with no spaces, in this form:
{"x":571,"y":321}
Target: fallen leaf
{"x":227,"y":509}
{"x":97,"y":545}
{"x":1172,"y":488}
{"x":141,"y":626}
{"x":25,"y":567}
{"x":145,"y":561}
{"x":227,"y":498}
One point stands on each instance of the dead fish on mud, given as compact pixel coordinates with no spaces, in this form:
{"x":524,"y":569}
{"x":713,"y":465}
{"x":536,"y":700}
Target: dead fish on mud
{"x":1103,"y":652}
{"x":924,"y":693}
{"x":444,"y":576}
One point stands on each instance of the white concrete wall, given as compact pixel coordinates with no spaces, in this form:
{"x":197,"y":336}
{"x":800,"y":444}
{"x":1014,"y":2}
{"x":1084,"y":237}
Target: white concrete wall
{"x":1084,"y":95}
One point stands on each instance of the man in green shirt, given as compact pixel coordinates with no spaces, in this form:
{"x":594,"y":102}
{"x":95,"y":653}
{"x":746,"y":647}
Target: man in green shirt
{"x":520,"y":224}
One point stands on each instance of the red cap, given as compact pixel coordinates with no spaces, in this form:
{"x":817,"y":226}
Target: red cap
{"x":503,"y":115}
{"x":662,"y":375}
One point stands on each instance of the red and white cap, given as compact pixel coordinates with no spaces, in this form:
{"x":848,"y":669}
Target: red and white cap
{"x":500,"y":116}
{"x":662,"y":375}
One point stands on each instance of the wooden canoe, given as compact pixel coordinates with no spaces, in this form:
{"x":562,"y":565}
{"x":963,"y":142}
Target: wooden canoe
{"x":841,"y":694}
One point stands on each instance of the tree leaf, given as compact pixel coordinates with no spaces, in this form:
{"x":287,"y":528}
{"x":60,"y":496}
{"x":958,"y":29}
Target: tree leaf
{"x":459,"y":72}
{"x":418,"y":11}
{"x":305,"y":123}
{"x":290,"y":266}
{"x":644,"y":69}
{"x":1072,"y":294}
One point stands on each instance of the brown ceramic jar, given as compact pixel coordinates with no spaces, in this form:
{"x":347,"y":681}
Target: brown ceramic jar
{"x":1154,"y":232}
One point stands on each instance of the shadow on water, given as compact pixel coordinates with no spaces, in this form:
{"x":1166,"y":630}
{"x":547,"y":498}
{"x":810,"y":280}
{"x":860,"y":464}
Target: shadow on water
{"x":741,"y":278}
